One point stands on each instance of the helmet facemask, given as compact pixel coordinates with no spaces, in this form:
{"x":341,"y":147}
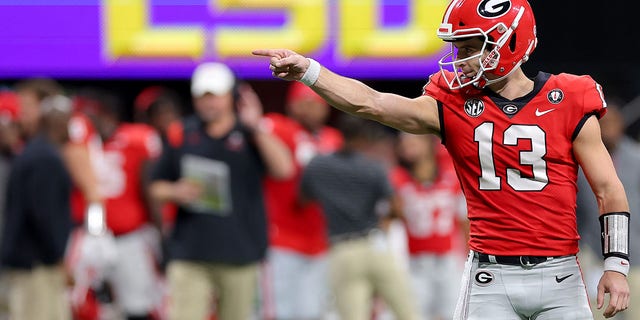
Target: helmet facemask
{"x":450,"y":62}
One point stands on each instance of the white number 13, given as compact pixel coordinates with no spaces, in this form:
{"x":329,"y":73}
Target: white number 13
{"x":488,"y":179}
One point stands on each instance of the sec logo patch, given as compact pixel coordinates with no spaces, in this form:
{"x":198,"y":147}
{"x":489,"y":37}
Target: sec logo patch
{"x":474,"y":107}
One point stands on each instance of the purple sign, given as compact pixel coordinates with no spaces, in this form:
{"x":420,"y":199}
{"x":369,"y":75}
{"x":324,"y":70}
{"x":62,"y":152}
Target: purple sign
{"x":167,"y":38}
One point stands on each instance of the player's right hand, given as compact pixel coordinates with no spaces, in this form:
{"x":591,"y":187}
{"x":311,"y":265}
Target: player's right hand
{"x":284,"y":64}
{"x":616,"y":285}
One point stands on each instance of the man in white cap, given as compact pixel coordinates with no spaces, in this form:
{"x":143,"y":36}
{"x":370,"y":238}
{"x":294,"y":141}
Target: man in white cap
{"x":213,"y":170}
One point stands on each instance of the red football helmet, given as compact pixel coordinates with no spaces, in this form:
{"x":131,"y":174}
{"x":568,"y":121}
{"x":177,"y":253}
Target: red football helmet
{"x":508,"y":28}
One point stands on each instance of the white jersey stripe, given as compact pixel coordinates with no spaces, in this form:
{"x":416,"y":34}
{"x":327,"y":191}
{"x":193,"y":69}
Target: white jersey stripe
{"x":601,"y":94}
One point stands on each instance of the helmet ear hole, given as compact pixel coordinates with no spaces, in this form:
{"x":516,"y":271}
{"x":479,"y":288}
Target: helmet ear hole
{"x":512,"y":43}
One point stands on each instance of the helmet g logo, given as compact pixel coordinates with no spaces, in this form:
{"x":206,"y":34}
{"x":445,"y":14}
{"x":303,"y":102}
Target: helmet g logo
{"x":493,"y":8}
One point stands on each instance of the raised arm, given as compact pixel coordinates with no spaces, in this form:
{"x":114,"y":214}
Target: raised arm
{"x":418,"y":115}
{"x":600,"y":172}
{"x":275,"y":154}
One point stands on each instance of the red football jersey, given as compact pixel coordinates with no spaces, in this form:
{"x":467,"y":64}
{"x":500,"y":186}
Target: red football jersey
{"x":120,"y":175}
{"x":515,"y":161}
{"x":117,"y":164}
{"x":302,"y":229}
{"x":432,"y":213}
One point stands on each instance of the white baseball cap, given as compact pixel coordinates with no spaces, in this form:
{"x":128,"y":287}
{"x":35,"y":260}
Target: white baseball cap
{"x":212,"y":77}
{"x":58,"y":103}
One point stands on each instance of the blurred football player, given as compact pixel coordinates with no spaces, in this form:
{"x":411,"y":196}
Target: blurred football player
{"x":126,"y":154}
{"x":296,"y":273}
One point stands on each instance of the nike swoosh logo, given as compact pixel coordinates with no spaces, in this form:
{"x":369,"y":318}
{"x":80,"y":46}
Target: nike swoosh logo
{"x":542,"y":113}
{"x":560,"y":279}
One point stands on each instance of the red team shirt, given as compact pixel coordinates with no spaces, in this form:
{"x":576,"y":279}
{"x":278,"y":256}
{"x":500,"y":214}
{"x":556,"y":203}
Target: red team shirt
{"x":432,"y":212}
{"x":301,"y":229}
{"x":515,"y":161}
{"x":119,"y":168}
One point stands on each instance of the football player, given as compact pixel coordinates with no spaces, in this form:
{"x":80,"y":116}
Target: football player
{"x":125,"y":156}
{"x":433,"y":210}
{"x":516,"y":143}
{"x":295,"y":275}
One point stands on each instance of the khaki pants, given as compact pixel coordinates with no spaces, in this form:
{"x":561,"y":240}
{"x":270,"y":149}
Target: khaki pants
{"x":358,"y":269}
{"x":38,"y":294}
{"x":193,"y":285}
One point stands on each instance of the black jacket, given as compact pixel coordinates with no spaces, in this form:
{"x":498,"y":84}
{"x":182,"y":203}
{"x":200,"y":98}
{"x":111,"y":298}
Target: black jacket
{"x":37,"y":219}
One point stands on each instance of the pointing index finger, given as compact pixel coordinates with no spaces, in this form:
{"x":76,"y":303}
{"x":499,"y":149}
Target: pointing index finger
{"x":267,"y":53}
{"x":261,"y":52}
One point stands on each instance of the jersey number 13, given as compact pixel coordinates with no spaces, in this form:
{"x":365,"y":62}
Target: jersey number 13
{"x":489,"y":180}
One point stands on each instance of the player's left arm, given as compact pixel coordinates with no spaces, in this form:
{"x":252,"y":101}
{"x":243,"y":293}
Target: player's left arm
{"x":609,"y":191}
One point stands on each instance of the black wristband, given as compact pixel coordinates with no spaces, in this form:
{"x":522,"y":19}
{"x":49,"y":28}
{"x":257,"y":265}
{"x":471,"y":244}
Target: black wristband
{"x":614,"y":236}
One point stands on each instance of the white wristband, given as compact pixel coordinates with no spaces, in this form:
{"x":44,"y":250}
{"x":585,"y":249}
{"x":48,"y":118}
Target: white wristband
{"x":311,"y":75}
{"x":616,"y":264}
{"x":95,"y":219}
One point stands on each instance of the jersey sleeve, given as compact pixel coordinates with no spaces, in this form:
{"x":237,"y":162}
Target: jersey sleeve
{"x":435,"y":87}
{"x":438,"y":89}
{"x":151,"y":144}
{"x":594,"y":102}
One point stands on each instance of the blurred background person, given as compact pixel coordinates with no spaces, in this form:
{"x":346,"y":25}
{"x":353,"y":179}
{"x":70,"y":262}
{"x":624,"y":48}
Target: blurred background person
{"x":354,"y":192}
{"x":9,"y":129}
{"x":9,"y":147}
{"x":128,"y":150}
{"x":625,"y":153}
{"x":92,"y":247}
{"x":37,"y":219}
{"x":213,"y":169}
{"x":31,"y":92}
{"x":433,"y":209}
{"x":9,"y":138}
{"x":158,"y":107}
{"x":295,"y":277}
